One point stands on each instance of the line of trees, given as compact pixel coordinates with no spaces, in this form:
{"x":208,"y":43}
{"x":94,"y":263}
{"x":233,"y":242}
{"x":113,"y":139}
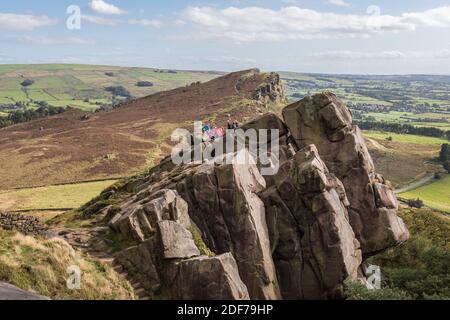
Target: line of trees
{"x":444,"y":156}
{"x":403,"y":129}
{"x":19,"y":116}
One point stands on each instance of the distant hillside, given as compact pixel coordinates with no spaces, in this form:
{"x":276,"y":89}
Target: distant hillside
{"x":403,"y":92}
{"x":76,"y":146}
{"x":83,"y":86}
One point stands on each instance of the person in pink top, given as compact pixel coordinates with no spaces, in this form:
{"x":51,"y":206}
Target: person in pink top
{"x":219,"y":132}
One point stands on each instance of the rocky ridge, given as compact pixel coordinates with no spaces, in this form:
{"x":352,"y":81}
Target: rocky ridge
{"x":223,"y":231}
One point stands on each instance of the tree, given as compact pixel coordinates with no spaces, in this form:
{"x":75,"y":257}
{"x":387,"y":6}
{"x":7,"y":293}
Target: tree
{"x":118,"y":91}
{"x":27,"y":83}
{"x":446,"y":166}
{"x":415,"y":203}
{"x":144,"y":84}
{"x":444,"y":155}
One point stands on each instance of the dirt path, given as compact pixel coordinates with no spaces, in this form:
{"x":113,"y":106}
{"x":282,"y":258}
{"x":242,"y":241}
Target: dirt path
{"x":416,"y":184}
{"x":86,"y":241}
{"x":377,"y":145}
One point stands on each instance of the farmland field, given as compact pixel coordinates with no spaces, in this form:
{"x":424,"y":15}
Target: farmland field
{"x":435,"y":195}
{"x":83,"y":86}
{"x":417,"y":100}
{"x":52,"y":197}
{"x":404,"y":138}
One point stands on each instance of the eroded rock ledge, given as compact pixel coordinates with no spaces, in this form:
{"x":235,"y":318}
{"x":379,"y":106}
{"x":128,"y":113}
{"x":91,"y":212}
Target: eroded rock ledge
{"x":212,"y":231}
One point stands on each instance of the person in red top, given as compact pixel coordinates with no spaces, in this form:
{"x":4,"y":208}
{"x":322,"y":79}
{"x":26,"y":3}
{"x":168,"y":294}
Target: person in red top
{"x":219,"y":132}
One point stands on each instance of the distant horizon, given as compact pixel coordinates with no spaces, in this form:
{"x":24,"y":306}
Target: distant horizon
{"x":226,"y":72}
{"x":351,"y":37}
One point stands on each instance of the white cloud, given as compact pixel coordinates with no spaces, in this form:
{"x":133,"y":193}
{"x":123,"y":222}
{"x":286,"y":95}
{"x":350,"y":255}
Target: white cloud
{"x":40,"y":40}
{"x":13,"y":21}
{"x":98,"y":20}
{"x":339,"y":3}
{"x":384,"y":55}
{"x":290,"y":23}
{"x":146,"y":23}
{"x":103,"y":7}
{"x":221,"y":59}
{"x":439,"y":17}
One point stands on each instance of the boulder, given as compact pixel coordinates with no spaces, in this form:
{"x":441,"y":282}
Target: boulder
{"x":139,"y":217}
{"x":215,"y":278}
{"x":176,"y":241}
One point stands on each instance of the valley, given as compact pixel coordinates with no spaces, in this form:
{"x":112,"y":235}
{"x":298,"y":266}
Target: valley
{"x":59,"y":168}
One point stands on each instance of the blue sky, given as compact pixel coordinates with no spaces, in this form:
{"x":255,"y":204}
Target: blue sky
{"x":328,"y":36}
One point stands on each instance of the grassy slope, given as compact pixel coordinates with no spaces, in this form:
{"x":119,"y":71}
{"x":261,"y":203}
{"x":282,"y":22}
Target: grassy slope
{"x":435,"y":195}
{"x":414,"y":153}
{"x":52,"y":197}
{"x":40,"y":266}
{"x":71,"y":85}
{"x":421,"y":266}
{"x":405,"y":138}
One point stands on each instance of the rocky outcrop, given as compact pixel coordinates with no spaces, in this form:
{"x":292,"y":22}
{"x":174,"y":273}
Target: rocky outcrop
{"x":215,"y":278}
{"x":326,"y":122}
{"x":12,"y":293}
{"x":222,"y":230}
{"x":314,"y":247}
{"x":166,"y":255}
{"x":272,"y":91}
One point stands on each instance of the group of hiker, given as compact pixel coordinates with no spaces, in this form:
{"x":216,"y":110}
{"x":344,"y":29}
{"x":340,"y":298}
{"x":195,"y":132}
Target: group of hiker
{"x":212,"y":132}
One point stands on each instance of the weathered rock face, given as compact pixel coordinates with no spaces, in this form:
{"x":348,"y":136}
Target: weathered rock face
{"x":217,"y":278}
{"x":326,"y":122}
{"x":223,"y":204}
{"x":271,"y":92}
{"x":166,"y":255}
{"x":223,"y":231}
{"x":314,"y":247}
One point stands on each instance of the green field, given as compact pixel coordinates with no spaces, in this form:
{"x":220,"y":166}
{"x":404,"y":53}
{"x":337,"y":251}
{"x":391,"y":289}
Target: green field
{"x":52,"y":197}
{"x":404,"y":138}
{"x":435,"y":195}
{"x":82,"y":86}
{"x":417,"y":100}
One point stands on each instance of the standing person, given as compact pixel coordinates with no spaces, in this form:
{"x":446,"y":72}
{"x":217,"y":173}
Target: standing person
{"x":212,"y":133}
{"x":235,"y":124}
{"x":219,"y":132}
{"x":206,"y":129}
{"x":229,"y":123}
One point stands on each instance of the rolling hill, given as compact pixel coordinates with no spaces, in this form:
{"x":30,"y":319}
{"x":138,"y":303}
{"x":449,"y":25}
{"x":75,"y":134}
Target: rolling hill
{"x":77,"y":146}
{"x":83,"y":86}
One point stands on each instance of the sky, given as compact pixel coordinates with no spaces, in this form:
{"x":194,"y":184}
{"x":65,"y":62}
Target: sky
{"x":318,"y":36}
